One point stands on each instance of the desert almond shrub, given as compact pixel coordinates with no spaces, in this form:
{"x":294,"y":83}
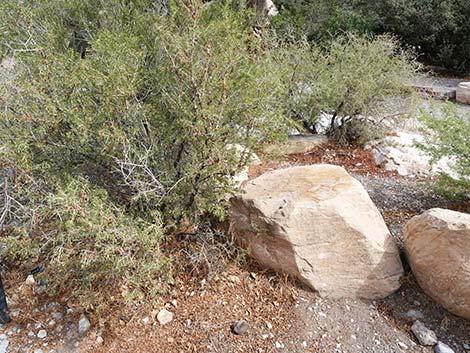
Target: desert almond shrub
{"x":349,"y":81}
{"x":116,"y":124}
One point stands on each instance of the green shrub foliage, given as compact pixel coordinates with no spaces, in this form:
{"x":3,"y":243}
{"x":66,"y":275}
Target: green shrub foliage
{"x":349,"y":81}
{"x":138,"y":102}
{"x":449,"y":138}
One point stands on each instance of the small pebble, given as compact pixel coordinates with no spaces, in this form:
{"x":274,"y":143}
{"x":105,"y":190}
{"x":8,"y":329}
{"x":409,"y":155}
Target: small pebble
{"x":425,"y":336}
{"x":83,"y":324}
{"x":30,"y":281}
{"x":240,"y":327}
{"x":164,"y":317}
{"x":57,"y":315}
{"x":402,"y":345}
{"x":442,"y":348}
{"x":42,"y":334}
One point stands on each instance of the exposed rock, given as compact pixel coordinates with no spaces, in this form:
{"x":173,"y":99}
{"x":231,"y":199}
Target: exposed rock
{"x":240,"y":327}
{"x":463,"y":93}
{"x":318,"y":224}
{"x":3,"y":343}
{"x":244,"y":154}
{"x":42,"y":334}
{"x":83,"y":324}
{"x":399,"y":153}
{"x":303,"y":143}
{"x":164,"y":317}
{"x":437,"y":243}
{"x":442,"y":348}
{"x":57,"y":315}
{"x":265,"y":6}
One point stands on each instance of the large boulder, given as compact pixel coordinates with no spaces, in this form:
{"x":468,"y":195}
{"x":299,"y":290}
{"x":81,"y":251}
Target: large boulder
{"x":318,"y":224}
{"x":437,"y":244}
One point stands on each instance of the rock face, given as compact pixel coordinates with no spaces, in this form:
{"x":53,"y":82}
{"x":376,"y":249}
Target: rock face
{"x":463,"y":93}
{"x":318,"y":224}
{"x":438,"y":248}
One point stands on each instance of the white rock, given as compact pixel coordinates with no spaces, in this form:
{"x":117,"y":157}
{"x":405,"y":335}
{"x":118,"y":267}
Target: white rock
{"x":164,"y":317}
{"x":442,"y":348}
{"x":83,"y":324}
{"x":3,"y":343}
{"x":30,"y":281}
{"x":399,"y":153}
{"x":437,"y":243}
{"x":425,"y":336}
{"x":318,"y":224}
{"x":414,"y":314}
{"x":42,"y":334}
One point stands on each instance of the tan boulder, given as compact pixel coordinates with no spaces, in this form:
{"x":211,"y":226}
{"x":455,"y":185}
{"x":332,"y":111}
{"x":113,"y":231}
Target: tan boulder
{"x":437,"y":243}
{"x":318,"y":224}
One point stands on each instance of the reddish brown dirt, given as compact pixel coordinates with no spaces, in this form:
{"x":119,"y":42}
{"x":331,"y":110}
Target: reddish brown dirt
{"x":353,"y":158}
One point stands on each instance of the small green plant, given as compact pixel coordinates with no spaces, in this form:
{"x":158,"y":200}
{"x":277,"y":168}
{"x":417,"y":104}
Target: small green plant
{"x":449,"y":138}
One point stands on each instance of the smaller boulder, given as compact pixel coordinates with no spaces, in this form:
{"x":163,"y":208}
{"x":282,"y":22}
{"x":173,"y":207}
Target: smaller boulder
{"x":437,"y":244}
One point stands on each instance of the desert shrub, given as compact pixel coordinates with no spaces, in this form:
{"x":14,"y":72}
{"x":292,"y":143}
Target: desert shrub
{"x":154,"y":103}
{"x":93,"y":250}
{"x":137,"y":102}
{"x":348,"y":82}
{"x":449,"y":138}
